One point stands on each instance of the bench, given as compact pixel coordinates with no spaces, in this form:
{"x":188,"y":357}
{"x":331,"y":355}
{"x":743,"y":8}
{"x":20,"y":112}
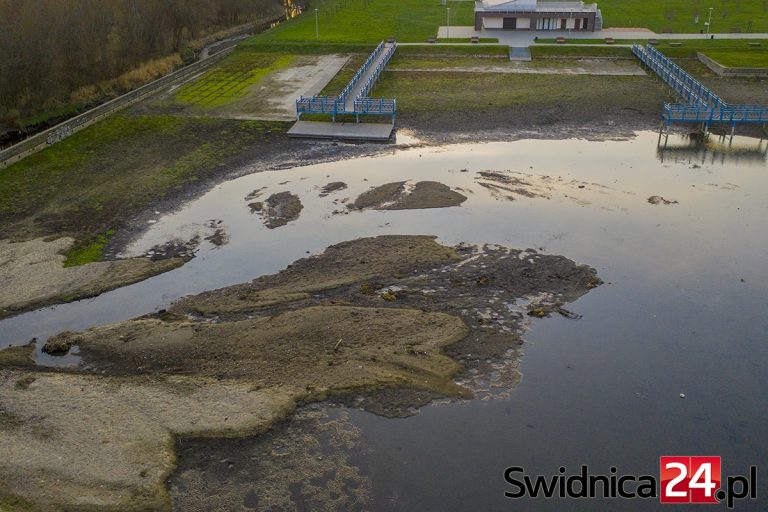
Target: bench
{"x":474,"y":40}
{"x":560,"y":40}
{"x":676,"y":44}
{"x":431,"y":40}
{"x":653,"y":42}
{"x":609,"y":40}
{"x":755,"y":45}
{"x":666,"y":30}
{"x":391,"y":39}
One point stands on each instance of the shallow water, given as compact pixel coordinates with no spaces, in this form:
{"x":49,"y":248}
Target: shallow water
{"x":683,"y":310}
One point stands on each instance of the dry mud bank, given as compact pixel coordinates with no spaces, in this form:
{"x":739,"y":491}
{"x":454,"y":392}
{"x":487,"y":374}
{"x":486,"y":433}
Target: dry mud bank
{"x":389,"y":312}
{"x":33,"y":274}
{"x":404,"y":196}
{"x":279,"y":209}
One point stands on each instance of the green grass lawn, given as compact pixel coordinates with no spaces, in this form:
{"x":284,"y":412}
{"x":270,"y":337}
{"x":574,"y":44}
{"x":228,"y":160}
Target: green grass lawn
{"x":680,"y":15}
{"x":438,"y":62}
{"x":731,"y":50}
{"x":452,"y":51}
{"x":441,"y":57}
{"x":751,"y":58}
{"x":231,"y":79}
{"x":579,"y":51}
{"x":370,"y":21}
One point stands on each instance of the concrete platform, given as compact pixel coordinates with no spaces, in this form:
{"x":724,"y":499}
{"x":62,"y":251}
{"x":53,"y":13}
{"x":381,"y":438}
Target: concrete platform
{"x":376,"y":132}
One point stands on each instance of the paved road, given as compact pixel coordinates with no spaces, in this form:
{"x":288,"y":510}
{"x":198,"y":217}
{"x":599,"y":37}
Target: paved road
{"x":526,"y":38}
{"x":218,"y":46}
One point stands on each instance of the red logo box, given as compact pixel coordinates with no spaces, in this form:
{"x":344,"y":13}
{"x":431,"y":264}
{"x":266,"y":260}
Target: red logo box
{"x":687,"y":479}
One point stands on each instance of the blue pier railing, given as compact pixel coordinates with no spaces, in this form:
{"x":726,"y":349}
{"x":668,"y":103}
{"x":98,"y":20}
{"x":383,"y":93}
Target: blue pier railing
{"x":697,"y":103}
{"x":375,"y":106}
{"x":320,"y":105}
{"x":374,"y":77}
{"x":354,"y":99}
{"x":362,"y":71}
{"x":733,"y":115}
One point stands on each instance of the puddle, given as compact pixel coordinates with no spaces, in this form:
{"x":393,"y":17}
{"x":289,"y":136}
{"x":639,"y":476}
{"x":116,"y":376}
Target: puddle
{"x":682,"y":310}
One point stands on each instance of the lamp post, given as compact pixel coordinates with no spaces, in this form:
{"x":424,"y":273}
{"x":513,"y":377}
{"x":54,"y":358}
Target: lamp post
{"x":709,"y":23}
{"x":317,"y":27}
{"x":448,"y":32}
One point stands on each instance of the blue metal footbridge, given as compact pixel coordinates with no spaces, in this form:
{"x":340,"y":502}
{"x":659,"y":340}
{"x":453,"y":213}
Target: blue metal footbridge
{"x":354,"y":98}
{"x":696,"y":103}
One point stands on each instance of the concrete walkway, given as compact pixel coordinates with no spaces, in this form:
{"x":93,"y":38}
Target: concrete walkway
{"x":526,"y":38}
{"x":349,"y":104}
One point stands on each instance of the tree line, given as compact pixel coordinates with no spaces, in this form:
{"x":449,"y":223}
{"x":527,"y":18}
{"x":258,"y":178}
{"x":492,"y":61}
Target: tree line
{"x":52,"y":49}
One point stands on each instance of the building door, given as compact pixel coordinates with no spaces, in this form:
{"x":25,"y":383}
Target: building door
{"x":585,"y":24}
{"x":578,"y":23}
{"x":510,"y":23}
{"x":562,"y":24}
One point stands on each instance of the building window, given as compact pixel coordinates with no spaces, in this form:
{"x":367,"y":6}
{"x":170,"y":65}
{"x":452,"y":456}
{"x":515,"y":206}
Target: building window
{"x":547,"y":24}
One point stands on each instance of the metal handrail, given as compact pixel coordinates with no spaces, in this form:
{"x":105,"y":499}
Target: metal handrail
{"x":362,"y":104}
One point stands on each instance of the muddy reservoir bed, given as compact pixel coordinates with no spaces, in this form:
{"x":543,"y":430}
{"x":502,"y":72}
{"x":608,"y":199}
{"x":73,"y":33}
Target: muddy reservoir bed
{"x":680,"y":312}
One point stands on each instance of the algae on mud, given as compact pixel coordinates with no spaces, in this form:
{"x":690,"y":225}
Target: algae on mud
{"x":232,"y":362}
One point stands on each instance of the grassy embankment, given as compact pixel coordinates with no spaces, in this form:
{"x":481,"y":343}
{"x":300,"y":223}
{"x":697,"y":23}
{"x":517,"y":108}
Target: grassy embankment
{"x":680,"y":15}
{"x":479,"y":100}
{"x":751,"y":58}
{"x":729,"y":52}
{"x":732,"y":52}
{"x":91,"y":183}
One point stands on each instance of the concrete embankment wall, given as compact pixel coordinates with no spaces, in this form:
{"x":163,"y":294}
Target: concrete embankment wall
{"x":721,"y":70}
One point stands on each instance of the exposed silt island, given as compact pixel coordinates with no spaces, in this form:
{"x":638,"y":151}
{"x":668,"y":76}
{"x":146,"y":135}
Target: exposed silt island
{"x":537,"y":15}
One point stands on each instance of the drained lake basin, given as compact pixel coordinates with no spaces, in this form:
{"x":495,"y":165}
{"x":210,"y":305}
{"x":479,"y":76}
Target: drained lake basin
{"x":667,"y":357}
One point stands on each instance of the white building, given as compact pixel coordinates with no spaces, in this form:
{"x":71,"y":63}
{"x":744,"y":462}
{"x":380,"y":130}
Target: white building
{"x":537,"y":15}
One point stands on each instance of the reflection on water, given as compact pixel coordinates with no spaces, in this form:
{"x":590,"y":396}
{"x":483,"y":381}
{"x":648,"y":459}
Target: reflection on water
{"x":682,"y":310}
{"x":697,"y":147}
